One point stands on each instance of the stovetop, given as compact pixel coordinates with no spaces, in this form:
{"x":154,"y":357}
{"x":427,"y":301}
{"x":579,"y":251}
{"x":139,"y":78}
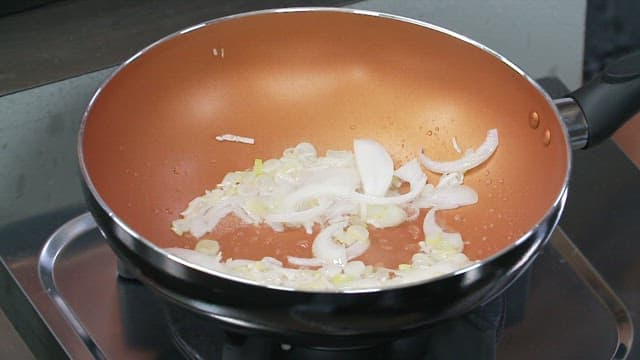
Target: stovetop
{"x":569,"y":312}
{"x":119,"y":318}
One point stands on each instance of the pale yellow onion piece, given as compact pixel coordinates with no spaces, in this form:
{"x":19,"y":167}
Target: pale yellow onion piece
{"x":470,"y":159}
{"x":356,"y":240}
{"x":209,"y":247}
{"x":374,"y":165}
{"x":383,"y":216}
{"x":353,"y":234}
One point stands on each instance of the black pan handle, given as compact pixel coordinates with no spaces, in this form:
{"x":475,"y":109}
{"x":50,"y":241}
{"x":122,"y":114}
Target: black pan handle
{"x":610,"y":99}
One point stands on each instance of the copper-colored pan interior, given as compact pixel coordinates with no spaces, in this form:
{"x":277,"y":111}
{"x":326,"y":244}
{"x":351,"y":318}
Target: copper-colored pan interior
{"x":325,"y":78}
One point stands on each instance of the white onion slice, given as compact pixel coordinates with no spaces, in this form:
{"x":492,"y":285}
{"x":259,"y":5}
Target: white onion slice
{"x":309,"y":262}
{"x":318,"y":191}
{"x":347,"y":177}
{"x":374,"y":165}
{"x":326,"y":249}
{"x":432,"y":229}
{"x":314,"y":191}
{"x":409,"y":172}
{"x":210,"y":218}
{"x":300,"y":216}
{"x":271,"y":261}
{"x":429,"y":225}
{"x":412,"y":173}
{"x":243,"y":215}
{"x":340,"y":211}
{"x":322,"y":183}
{"x":451,"y":179}
{"x":383,"y":200}
{"x":236,"y":138}
{"x":358,"y":248}
{"x":455,"y":145}
{"x":471,"y":158}
{"x":448,"y":197}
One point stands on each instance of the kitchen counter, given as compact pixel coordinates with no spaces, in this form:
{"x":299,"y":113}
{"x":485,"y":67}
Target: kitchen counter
{"x":72,"y":37}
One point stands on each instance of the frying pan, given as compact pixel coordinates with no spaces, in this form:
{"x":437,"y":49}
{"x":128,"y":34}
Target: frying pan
{"x":327,"y":76}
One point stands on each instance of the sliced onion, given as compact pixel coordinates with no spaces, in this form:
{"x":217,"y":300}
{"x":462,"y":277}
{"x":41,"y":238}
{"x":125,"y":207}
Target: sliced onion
{"x":409,"y":172}
{"x":300,"y":216}
{"x":211,"y":217}
{"x":314,"y":191}
{"x":449,"y":197}
{"x":271,"y":261}
{"x":432,"y":229}
{"x":383,"y":216}
{"x":239,"y":262}
{"x":471,"y":158}
{"x":358,"y":248}
{"x":412,"y":212}
{"x":318,"y":191}
{"x":305,"y":151}
{"x":326,"y":249}
{"x":322,"y":183}
{"x":450,"y":179}
{"x":340,"y":211}
{"x":335,"y":191}
{"x":383,"y":200}
{"x":277,"y":227}
{"x":412,"y":173}
{"x":244,"y":215}
{"x":449,"y":194}
{"x":309,"y":262}
{"x":347,"y":177}
{"x":429,"y":225}
{"x":354,"y":268}
{"x":374,"y":165}
{"x":455,"y":145}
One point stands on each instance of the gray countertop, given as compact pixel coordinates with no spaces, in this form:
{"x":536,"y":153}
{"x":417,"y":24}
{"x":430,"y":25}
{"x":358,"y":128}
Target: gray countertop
{"x":68,"y":38}
{"x":71,"y":37}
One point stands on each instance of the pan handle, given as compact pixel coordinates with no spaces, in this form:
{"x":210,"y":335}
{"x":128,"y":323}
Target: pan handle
{"x":604,"y":104}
